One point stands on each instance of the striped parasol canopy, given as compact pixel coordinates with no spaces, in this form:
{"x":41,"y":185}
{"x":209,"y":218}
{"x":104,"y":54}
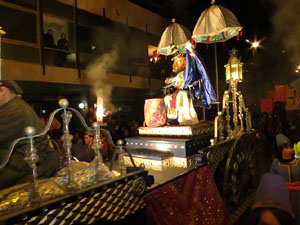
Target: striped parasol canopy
{"x":216,"y":24}
{"x":174,"y":34}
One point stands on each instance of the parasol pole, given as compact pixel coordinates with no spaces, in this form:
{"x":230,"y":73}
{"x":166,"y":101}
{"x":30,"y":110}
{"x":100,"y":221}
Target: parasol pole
{"x":217,"y":78}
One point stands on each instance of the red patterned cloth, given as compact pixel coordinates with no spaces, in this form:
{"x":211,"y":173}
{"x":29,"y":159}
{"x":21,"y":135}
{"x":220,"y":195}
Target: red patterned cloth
{"x":188,"y":200}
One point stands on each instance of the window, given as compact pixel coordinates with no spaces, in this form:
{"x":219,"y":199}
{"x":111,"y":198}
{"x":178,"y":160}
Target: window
{"x":18,"y":25}
{"x":58,"y":26}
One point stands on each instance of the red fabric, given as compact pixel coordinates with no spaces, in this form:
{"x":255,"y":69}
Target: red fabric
{"x":190,"y":199}
{"x":280,"y":93}
{"x":105,"y":145}
{"x":295,"y":186}
{"x":173,"y":101}
{"x":266,"y":105}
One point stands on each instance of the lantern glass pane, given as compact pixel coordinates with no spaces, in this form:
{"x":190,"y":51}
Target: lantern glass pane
{"x":234,"y":71}
{"x":240,"y":72}
{"x":227,"y":72}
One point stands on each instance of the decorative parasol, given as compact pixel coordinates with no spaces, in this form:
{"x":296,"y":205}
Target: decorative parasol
{"x":174,"y":34}
{"x":216,"y":24}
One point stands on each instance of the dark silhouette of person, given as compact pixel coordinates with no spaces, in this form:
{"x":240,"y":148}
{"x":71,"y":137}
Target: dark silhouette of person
{"x":50,"y":55}
{"x":49,"y":40}
{"x":62,"y":44}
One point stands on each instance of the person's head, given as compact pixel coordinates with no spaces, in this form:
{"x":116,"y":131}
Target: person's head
{"x":272,"y":205}
{"x":269,"y":216}
{"x":88,"y":139}
{"x":179,"y":64}
{"x":50,"y":31}
{"x":63,"y":36}
{"x":7,"y":92}
{"x":285,"y":147}
{"x":286,"y":151}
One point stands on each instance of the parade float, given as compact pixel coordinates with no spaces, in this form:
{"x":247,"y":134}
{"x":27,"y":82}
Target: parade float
{"x":204,"y":171}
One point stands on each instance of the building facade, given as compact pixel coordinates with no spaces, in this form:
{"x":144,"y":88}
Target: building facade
{"x":118,"y":31}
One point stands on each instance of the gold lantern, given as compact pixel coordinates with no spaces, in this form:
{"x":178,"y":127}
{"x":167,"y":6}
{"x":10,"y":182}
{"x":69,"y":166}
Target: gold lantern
{"x":234,"y":68}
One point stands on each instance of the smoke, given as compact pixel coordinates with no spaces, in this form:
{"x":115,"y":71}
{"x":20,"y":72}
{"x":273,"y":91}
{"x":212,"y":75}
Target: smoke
{"x":286,"y":25}
{"x":97,"y":74}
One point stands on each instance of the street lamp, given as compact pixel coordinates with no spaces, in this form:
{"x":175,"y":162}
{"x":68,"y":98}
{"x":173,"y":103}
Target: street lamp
{"x":255,"y":44}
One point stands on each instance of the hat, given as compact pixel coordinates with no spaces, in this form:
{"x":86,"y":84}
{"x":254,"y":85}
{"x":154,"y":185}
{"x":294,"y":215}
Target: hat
{"x":11,"y":85}
{"x":272,"y":193}
{"x":281,"y":139}
{"x":175,"y":51}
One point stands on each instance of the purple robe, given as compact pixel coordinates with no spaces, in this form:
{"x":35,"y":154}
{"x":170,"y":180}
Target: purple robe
{"x":290,"y":171}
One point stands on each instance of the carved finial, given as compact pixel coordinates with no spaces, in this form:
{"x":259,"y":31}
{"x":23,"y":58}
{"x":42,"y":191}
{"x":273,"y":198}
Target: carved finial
{"x":233,"y":52}
{"x":64,"y":103}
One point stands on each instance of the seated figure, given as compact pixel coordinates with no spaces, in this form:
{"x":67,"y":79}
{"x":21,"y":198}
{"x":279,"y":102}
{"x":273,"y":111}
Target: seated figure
{"x":190,"y":82}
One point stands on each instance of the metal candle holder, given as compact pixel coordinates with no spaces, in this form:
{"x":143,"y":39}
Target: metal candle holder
{"x":97,"y":145}
{"x":240,"y":115}
{"x":67,"y":139}
{"x":31,"y":159}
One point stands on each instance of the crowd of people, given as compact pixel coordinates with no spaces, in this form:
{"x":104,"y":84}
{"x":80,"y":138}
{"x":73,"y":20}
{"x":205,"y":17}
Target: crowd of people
{"x":278,"y":194}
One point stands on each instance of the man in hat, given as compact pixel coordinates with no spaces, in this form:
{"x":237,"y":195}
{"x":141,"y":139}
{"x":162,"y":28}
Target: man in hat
{"x":15,"y":116}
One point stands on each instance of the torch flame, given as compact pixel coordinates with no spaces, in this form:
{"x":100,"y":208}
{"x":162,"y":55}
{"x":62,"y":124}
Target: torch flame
{"x":99,"y":112}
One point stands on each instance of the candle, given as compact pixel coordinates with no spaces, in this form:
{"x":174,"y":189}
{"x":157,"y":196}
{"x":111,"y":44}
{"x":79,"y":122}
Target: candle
{"x":99,"y":112}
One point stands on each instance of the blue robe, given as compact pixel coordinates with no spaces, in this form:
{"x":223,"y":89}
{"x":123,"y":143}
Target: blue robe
{"x":290,"y":171}
{"x":195,"y":71}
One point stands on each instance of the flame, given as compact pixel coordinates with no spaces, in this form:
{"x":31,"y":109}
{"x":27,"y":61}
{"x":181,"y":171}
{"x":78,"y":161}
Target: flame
{"x":100,"y":111}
